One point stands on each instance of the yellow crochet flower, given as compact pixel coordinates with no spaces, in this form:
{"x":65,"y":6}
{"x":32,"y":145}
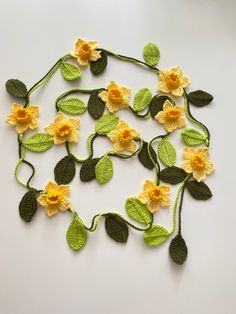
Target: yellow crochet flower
{"x":154,"y":196}
{"x":55,"y":198}
{"x":23,"y":118}
{"x":115,"y":97}
{"x":64,"y":129}
{"x":171,"y":117}
{"x":123,"y":137}
{"x":196,"y":162}
{"x":85,"y":51}
{"x":172,"y":81}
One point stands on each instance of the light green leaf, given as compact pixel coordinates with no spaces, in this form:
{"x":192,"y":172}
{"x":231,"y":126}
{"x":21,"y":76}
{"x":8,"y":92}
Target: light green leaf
{"x":166,"y":153}
{"x":156,"y":235}
{"x":76,"y":234}
{"x":104,"y":170}
{"x":39,"y":142}
{"x":69,"y":71}
{"x":142,"y":99}
{"x":72,"y":106}
{"x":106,"y":123}
{"x":137,"y":210}
{"x":151,"y":54}
{"x":192,"y":137}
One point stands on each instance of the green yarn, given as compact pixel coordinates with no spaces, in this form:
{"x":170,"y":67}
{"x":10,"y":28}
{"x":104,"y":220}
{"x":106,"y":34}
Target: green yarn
{"x":138,"y":211}
{"x":104,"y":170}
{"x":151,"y":54}
{"x":156,"y":104}
{"x":64,"y":170}
{"x":96,"y":106}
{"x":116,"y":228}
{"x":39,"y":142}
{"x":172,"y":175}
{"x":106,"y":123}
{"x":199,"y":98}
{"x":28,"y":206}
{"x":192,"y":137}
{"x":156,"y":235}
{"x":16,"y":88}
{"x":76,"y":234}
{"x":72,"y":106}
{"x":178,"y":250}
{"x":142,"y":99}
{"x":99,"y":66}
{"x":144,"y":156}
{"x":166,"y":153}
{"x":87,"y":171}
{"x":198,"y":190}
{"x":69,"y":71}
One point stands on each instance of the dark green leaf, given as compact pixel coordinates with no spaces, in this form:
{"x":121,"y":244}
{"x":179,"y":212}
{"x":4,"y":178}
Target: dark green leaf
{"x":99,"y":66}
{"x":28,"y":206}
{"x":178,"y":250}
{"x":172,"y":175}
{"x":65,"y":170}
{"x":116,"y":228}
{"x":16,"y":88}
{"x":96,"y":106}
{"x":198,"y":190}
{"x":199,"y":98}
{"x":156,"y":104}
{"x":144,"y":157}
{"x":87,"y":171}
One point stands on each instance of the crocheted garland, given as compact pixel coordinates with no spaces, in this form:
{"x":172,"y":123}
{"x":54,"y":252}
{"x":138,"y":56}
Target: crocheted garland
{"x":127,"y":143}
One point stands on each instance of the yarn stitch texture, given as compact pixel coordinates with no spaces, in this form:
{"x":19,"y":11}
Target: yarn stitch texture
{"x":103,"y":106}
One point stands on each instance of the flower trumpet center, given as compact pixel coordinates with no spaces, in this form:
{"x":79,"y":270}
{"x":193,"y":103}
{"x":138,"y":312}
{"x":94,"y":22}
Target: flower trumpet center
{"x":173,"y":114}
{"x":155,"y":194}
{"x":85,"y":51}
{"x":125,"y":136}
{"x":22,"y":115}
{"x":198,"y":162}
{"x":53,"y":198}
{"x":172,"y":81}
{"x":64,"y":129}
{"x":115,"y":96}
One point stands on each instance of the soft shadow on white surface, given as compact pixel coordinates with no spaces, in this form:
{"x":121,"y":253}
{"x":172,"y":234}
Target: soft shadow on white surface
{"x":39,"y":273}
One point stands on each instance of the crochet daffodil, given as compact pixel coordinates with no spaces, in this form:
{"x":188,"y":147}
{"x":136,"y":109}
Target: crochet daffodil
{"x":172,"y":81}
{"x":23,"y":118}
{"x":55,"y":198}
{"x":115,"y":97}
{"x":85,"y":51}
{"x":64,"y":129}
{"x":154,"y":196}
{"x":123,"y":137}
{"x":171,"y":117}
{"x":196,"y":161}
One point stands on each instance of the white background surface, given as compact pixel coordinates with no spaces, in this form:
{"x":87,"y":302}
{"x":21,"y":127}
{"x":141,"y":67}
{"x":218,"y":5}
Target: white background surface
{"x":38,"y":271}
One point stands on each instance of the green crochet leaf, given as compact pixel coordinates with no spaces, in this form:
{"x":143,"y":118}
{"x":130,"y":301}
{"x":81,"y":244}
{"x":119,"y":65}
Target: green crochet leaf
{"x":172,"y":175}
{"x":166,"y":153}
{"x":97,"y":67}
{"x":156,"y":104}
{"x":69,"y":71}
{"x":199,"y":98}
{"x":72,"y":106}
{"x":137,"y":210}
{"x":198,"y":190}
{"x":192,"y":137}
{"x":87,"y":171}
{"x":96,"y":106}
{"x":104,"y":170}
{"x":142,"y":99}
{"x":144,"y":157}
{"x":151,"y":54}
{"x":16,"y":88}
{"x":28,"y":206}
{"x":156,"y":235}
{"x":76,"y":234}
{"x":178,"y":250}
{"x":39,"y":142}
{"x":116,"y":228}
{"x":106,"y":123}
{"x":64,"y":170}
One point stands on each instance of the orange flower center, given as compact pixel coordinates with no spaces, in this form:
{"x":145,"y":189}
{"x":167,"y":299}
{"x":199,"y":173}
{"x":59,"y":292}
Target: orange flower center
{"x":115,"y":96}
{"x":125,"y":136}
{"x":53,"y":198}
{"x":173,"y":114}
{"x":22,"y":115}
{"x":85,"y":51}
{"x":64,"y":129}
{"x":172,"y":81}
{"x":198,"y":162}
{"x":155,"y":194}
